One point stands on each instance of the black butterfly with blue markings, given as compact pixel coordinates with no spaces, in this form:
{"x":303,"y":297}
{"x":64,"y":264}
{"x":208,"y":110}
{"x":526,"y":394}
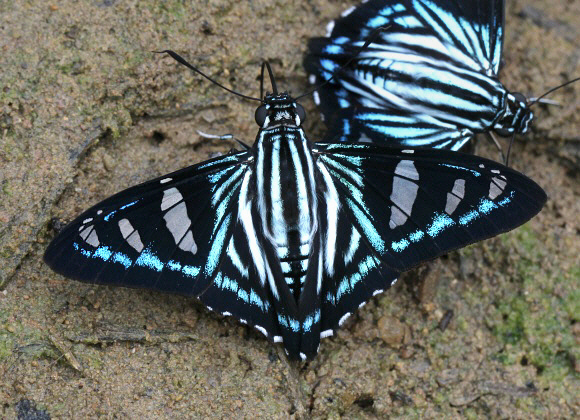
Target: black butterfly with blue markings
{"x":290,"y":236}
{"x":430,"y":79}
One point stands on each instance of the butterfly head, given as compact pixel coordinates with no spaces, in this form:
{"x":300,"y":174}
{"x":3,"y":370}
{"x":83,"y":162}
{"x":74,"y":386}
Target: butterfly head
{"x":517,"y":116}
{"x":279,"y":109}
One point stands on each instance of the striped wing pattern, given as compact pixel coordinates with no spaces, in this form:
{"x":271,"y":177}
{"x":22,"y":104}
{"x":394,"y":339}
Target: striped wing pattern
{"x":291,"y":237}
{"x":428,"y":80}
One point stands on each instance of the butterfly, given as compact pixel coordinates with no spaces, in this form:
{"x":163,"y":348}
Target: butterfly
{"x":291,"y":236}
{"x":429,"y":79}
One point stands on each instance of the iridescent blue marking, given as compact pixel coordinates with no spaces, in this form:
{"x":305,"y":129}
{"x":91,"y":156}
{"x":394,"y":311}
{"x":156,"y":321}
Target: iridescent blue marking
{"x":408,"y":21}
{"x":311,"y":320}
{"x":108,"y":216}
{"x":82,"y":250}
{"x":103,"y":252}
{"x":440,"y":222}
{"x":242,"y":294}
{"x":416,"y":236}
{"x":328,"y":65}
{"x":255,"y":300}
{"x":150,"y":260}
{"x":461,"y":168}
{"x":174,"y":265}
{"x":122,"y":259}
{"x":348,"y":283}
{"x":468,"y":217}
{"x":216,"y":176}
{"x":486,"y":206}
{"x":368,"y":228}
{"x":282,"y":321}
{"x":506,"y":200}
{"x":330,"y":298}
{"x":217,"y":246}
{"x":333,"y":49}
{"x":190,"y":270}
{"x":129,"y":205}
{"x":222,"y":160}
{"x":400,"y":245}
{"x":230,"y":284}
{"x":377,"y":21}
{"x":294,"y":324}
{"x":343,"y":103}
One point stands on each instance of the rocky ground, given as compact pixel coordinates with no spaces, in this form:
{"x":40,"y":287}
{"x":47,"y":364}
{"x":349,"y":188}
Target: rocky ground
{"x":86,"y":109}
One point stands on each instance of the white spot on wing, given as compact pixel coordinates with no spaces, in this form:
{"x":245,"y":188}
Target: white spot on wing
{"x":316,"y":97}
{"x":455,"y":196}
{"x":408,"y":151}
{"x":347,"y":11}
{"x":329,"y":28}
{"x":261,"y":329}
{"x":404,"y":193}
{"x":343,"y":318}
{"x":130,"y":235}
{"x":302,"y":356}
{"x":326,"y":333}
{"x":90,"y":236}
{"x":496,"y":187}
{"x":178,"y":223}
{"x":406,"y":168}
{"x":90,"y":219}
{"x":171,"y":197}
{"x":93,"y":239}
{"x":164,"y":180}
{"x":312,"y":79}
{"x":278,"y":339}
{"x":378,"y":292}
{"x":188,"y":243}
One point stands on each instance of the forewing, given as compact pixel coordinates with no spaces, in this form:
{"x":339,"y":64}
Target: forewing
{"x":414,"y":205}
{"x":166,"y":234}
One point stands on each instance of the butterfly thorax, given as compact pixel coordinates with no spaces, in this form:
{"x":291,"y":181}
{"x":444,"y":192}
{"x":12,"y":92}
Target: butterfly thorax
{"x":516,"y":116}
{"x":285,"y":184}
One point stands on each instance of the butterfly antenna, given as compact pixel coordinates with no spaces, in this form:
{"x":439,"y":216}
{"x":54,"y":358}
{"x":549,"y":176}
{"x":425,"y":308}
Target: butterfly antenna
{"x":538,"y":99}
{"x":266,"y":64}
{"x":370,"y":39}
{"x":181,"y":60}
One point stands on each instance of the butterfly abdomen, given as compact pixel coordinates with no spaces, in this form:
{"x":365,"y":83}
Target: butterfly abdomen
{"x":287,"y":200}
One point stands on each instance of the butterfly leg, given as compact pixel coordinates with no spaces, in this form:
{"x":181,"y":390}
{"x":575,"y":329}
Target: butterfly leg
{"x":498,"y":146}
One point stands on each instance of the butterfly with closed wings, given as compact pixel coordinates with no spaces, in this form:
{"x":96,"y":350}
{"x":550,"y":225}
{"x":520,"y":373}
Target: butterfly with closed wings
{"x":290,"y":236}
{"x":430,"y":79}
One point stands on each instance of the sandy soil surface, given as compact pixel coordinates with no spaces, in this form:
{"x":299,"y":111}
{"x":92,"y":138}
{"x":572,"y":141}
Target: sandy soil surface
{"x":86,"y":110}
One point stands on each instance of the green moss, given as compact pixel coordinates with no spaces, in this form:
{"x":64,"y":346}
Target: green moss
{"x":6,"y":346}
{"x":534,"y":320}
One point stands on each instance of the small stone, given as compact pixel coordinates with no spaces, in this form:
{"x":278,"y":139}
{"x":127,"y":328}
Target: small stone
{"x":392,"y":331}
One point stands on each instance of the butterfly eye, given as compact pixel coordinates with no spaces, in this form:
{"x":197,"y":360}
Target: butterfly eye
{"x":520,"y":97}
{"x":261,"y":114}
{"x":301,"y":113}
